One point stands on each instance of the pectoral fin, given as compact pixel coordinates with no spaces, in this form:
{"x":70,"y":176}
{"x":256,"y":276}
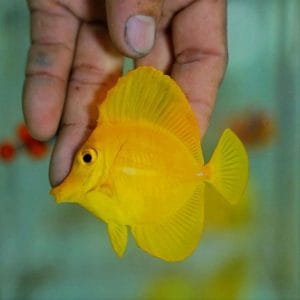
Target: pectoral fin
{"x":107,"y":189}
{"x":177,"y":237}
{"x":118,"y":237}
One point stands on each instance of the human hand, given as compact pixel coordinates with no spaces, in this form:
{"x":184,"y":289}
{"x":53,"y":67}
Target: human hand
{"x":78,"y":46}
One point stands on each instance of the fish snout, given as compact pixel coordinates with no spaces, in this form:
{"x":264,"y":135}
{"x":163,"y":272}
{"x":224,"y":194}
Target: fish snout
{"x":60,"y":194}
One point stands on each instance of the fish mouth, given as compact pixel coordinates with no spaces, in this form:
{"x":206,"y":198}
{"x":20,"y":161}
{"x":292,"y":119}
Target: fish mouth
{"x":57,"y":194}
{"x":62,"y":193}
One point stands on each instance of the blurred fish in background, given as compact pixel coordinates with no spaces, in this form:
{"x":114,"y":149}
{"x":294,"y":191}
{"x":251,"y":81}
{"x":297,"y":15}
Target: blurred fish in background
{"x":254,"y":127}
{"x":249,"y":251}
{"x":227,"y":283}
{"x":22,"y":141}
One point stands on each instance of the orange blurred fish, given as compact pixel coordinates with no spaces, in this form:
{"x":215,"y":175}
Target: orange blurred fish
{"x":254,"y":128}
{"x":142,"y":167}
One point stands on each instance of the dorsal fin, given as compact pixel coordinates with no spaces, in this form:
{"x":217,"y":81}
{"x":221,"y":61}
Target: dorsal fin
{"x":147,"y":95}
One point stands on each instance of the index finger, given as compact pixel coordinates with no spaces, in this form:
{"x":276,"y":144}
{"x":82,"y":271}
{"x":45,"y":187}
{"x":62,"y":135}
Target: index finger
{"x":200,"y":48}
{"x":53,"y":35}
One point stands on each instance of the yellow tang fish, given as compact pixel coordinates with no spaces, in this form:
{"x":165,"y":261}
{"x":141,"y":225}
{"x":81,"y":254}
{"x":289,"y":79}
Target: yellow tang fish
{"x":142,"y":167}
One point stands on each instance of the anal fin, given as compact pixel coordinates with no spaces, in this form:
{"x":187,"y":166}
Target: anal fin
{"x":118,"y":237}
{"x":177,"y":237}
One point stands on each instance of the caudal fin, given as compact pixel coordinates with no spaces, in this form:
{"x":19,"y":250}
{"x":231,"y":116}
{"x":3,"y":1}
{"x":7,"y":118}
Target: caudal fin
{"x":227,"y":169}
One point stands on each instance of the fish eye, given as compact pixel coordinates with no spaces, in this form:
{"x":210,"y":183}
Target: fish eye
{"x":88,"y":156}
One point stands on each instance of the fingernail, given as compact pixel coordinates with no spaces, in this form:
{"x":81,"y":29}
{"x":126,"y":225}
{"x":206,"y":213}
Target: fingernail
{"x":140,"y":33}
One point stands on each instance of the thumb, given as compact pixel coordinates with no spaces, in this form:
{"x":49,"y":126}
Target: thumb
{"x":132,"y":25}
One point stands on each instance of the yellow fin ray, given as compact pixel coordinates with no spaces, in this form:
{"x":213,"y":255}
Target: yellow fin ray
{"x":177,"y":237}
{"x":228,"y":167}
{"x":147,"y":95}
{"x":118,"y":237}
